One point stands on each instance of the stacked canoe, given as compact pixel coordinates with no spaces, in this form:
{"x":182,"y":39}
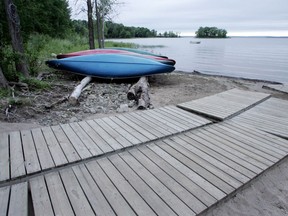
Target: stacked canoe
{"x":113,"y":63}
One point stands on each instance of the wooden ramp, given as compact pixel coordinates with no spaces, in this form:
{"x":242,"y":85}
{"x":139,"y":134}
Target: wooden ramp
{"x":277,"y":87}
{"x":181,"y":175}
{"x":31,"y":151}
{"x":270,"y":116}
{"x":225,"y":104}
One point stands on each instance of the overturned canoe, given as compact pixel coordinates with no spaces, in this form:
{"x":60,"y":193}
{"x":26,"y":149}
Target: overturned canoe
{"x":110,"y":65}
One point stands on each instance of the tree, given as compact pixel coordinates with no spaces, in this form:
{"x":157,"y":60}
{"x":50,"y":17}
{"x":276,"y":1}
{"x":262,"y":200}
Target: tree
{"x":90,"y":25}
{"x":3,"y":81}
{"x":211,"y":32}
{"x":16,"y":38}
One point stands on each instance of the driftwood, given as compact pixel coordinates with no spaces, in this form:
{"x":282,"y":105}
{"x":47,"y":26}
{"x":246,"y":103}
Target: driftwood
{"x":140,"y":93}
{"x":62,"y":100}
{"x":73,"y":99}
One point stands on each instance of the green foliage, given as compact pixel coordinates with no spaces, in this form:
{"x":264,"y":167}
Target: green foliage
{"x":211,"y":32}
{"x":4,"y":92}
{"x":35,"y":84}
{"x":169,"y":34}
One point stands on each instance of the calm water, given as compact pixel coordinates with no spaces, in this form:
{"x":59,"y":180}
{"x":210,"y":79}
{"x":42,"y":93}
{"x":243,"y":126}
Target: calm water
{"x":256,"y":58}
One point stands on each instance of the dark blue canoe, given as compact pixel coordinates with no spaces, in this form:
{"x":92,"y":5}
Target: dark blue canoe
{"x":110,"y":66}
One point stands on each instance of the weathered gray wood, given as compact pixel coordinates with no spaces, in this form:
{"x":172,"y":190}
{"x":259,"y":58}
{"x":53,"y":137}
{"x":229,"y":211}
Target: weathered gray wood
{"x":153,"y":200}
{"x":129,"y":129}
{"x":31,"y":159}
{"x":92,"y":191}
{"x":86,"y":140}
{"x":141,"y":130}
{"x":131,"y":196}
{"x":4,"y":200}
{"x":105,"y":147}
{"x":277,"y":87}
{"x":58,"y":196}
{"x":78,"y":145}
{"x":180,"y":191}
{"x":55,"y":149}
{"x":209,"y":176}
{"x":43,"y":152}
{"x":209,"y":163}
{"x":113,"y":196}
{"x":68,"y":149}
{"x":193,"y":188}
{"x":18,"y":204}
{"x":214,"y":159}
{"x":105,"y":135}
{"x":118,"y":137}
{"x":75,"y":193}
{"x":210,"y":188}
{"x":40,"y":197}
{"x":16,"y":155}
{"x":122,"y":131}
{"x":4,"y":157}
{"x":172,"y":200}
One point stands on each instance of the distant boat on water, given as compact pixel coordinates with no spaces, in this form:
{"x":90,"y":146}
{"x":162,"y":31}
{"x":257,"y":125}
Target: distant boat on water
{"x":195,"y":42}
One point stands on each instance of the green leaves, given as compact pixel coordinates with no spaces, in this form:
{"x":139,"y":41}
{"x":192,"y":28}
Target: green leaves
{"x":211,"y":32}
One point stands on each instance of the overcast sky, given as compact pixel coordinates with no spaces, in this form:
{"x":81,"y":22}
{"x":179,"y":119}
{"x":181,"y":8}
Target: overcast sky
{"x":238,"y":17}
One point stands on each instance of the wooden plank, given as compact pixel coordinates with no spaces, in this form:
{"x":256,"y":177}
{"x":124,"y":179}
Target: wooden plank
{"x":79,"y":146}
{"x":17,"y":164}
{"x":210,"y":188}
{"x":40,"y":197}
{"x":4,"y":157}
{"x":129,"y":129}
{"x":117,"y":136}
{"x":4,"y":200}
{"x":131,"y":196}
{"x":213,"y":165}
{"x":18,"y":204}
{"x":105,"y":135}
{"x":193,"y":188}
{"x":113,"y":196}
{"x":208,"y":173}
{"x":227,"y":165}
{"x":171,"y":199}
{"x":181,"y":192}
{"x":105,"y":147}
{"x":277,"y":87}
{"x":159,"y":124}
{"x":245,"y":155}
{"x":92,"y":191}
{"x":122,"y":131}
{"x":214,"y":145}
{"x":43,"y":152}
{"x":141,"y":130}
{"x":55,"y":149}
{"x":31,"y":159}
{"x":152,"y":199}
{"x":68,"y":149}
{"x":86,"y":140}
{"x":78,"y":200}
{"x":58,"y":196}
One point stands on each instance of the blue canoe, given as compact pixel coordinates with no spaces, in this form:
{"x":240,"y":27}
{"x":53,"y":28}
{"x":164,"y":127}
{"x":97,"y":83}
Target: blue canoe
{"x":110,"y":66}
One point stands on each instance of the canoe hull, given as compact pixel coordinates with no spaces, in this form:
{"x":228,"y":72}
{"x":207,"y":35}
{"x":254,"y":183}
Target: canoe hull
{"x":110,"y":66}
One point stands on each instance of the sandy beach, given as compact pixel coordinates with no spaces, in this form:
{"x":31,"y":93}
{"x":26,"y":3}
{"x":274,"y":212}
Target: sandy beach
{"x":265,"y":195}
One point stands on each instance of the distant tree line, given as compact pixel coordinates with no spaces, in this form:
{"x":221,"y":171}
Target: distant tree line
{"x":211,"y":32}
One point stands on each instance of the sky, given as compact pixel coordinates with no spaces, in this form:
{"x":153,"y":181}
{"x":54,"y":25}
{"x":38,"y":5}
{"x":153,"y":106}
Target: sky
{"x":238,"y":17}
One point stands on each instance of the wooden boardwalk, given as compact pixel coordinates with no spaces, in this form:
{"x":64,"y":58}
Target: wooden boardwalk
{"x":270,"y":116}
{"x":165,"y":161}
{"x":30,"y":151}
{"x":277,"y":87}
{"x":225,"y":104}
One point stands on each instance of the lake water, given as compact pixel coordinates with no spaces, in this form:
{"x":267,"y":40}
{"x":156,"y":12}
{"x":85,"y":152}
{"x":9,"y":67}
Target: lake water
{"x":254,"y":58}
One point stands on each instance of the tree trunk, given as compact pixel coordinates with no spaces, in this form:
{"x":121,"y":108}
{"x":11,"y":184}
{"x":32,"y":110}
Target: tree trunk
{"x":16,"y":38}
{"x":3,"y":81}
{"x":98,"y":24}
{"x":140,"y":93}
{"x":90,"y":25}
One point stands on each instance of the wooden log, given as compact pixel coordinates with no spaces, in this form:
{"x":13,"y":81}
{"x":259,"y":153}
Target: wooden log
{"x":73,"y":99}
{"x":140,"y":92}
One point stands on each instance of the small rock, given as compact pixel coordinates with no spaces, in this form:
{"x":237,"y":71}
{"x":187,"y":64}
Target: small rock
{"x":123,"y":108}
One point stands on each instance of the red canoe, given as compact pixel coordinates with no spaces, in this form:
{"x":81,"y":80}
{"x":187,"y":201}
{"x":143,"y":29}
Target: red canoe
{"x":116,"y":51}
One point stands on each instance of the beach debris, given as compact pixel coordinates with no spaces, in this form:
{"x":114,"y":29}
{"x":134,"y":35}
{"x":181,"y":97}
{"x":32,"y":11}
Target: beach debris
{"x":140,"y":93}
{"x":73,"y":98}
